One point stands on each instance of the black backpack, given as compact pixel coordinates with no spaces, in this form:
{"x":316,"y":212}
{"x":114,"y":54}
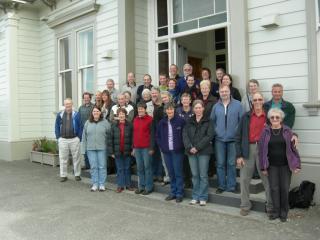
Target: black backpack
{"x":302,"y":196}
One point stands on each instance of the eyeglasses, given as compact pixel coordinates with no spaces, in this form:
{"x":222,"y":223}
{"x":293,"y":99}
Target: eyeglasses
{"x":275,"y":117}
{"x":257,"y":99}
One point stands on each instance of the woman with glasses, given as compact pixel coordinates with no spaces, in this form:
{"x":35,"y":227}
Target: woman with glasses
{"x":279,"y":158}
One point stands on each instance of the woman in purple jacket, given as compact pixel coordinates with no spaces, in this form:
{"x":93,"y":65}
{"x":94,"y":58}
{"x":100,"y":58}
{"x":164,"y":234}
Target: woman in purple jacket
{"x":278,"y":159}
{"x":169,"y":139}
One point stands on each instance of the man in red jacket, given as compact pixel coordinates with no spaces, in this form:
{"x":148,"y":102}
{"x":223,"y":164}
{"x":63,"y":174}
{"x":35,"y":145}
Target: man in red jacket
{"x":143,"y":142}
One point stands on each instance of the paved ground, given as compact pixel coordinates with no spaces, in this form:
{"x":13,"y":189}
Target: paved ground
{"x":35,"y":205}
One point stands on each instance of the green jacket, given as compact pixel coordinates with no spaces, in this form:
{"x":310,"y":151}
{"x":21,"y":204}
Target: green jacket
{"x":287,"y":108}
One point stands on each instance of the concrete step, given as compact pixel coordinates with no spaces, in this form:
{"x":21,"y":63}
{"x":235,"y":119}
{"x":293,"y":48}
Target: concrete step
{"x":226,"y":198}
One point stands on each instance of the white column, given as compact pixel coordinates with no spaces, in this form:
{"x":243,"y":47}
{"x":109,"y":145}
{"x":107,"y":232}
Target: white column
{"x":12,"y":65}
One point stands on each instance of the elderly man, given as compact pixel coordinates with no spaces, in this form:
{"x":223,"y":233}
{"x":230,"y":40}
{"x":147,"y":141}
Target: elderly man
{"x":182,"y":82}
{"x":111,"y":89}
{"x":277,"y":101}
{"x":226,"y":115}
{"x":68,"y":133}
{"x":146,"y":85}
{"x":85,"y":110}
{"x":122,"y":103}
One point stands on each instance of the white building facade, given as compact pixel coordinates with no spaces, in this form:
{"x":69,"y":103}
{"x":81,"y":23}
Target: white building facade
{"x":49,"y":52}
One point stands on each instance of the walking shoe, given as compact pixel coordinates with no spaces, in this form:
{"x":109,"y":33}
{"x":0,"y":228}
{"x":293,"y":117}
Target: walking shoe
{"x":77,"y":178}
{"x":203,"y":203}
{"x":244,"y":212}
{"x":159,"y":179}
{"x":283,"y":219}
{"x":170,"y":197}
{"x":94,"y":188}
{"x":130,"y":188}
{"x":193,"y":202}
{"x":145,"y":192}
{"x":102,"y":188}
{"x":179,"y":199}
{"x":164,"y":183}
{"x":63,"y":179}
{"x":273,"y":217}
{"x":219,"y":191}
{"x":119,"y":190}
{"x":138,"y":191}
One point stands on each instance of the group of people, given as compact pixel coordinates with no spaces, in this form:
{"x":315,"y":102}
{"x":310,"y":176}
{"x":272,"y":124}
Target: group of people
{"x":177,"y":130}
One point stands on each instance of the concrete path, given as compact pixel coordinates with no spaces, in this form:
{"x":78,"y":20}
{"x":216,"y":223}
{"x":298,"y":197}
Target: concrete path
{"x":35,"y":205}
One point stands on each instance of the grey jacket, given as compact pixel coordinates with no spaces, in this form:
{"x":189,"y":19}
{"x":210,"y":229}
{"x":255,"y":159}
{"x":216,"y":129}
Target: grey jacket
{"x":95,"y":136}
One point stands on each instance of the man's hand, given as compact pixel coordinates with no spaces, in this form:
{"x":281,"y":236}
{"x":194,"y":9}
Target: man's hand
{"x":151,"y":152}
{"x":112,"y":155}
{"x":295,"y":141}
{"x":240,"y":162}
{"x":132,"y":153}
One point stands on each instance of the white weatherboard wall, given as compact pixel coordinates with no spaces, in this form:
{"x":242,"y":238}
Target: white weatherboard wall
{"x":141,"y":39}
{"x":28,"y":71}
{"x":3,"y":83}
{"x":107,"y":39}
{"x":279,"y":55}
{"x":48,"y":92}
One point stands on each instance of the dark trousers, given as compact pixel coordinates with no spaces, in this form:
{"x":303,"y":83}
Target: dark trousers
{"x":279,"y":181}
{"x":86,"y":161}
{"x":186,"y":171}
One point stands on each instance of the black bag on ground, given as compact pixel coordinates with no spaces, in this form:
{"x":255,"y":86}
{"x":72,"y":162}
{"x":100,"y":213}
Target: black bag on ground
{"x":302,"y":196}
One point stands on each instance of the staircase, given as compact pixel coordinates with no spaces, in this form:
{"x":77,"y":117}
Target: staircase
{"x":257,"y":195}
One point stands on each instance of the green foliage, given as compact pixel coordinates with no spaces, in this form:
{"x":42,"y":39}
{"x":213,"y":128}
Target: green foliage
{"x":45,"y":145}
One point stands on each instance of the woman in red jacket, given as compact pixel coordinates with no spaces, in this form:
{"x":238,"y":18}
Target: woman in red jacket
{"x":143,"y":142}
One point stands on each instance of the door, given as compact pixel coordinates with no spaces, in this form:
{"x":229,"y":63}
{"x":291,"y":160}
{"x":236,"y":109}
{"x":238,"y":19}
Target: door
{"x":196,"y":63}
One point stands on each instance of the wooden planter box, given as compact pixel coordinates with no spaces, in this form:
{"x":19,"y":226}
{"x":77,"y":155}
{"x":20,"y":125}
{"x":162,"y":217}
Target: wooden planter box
{"x":45,"y":158}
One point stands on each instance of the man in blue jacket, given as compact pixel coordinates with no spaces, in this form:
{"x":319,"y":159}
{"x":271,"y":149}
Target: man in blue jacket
{"x":226,"y":115}
{"x":68,"y":133}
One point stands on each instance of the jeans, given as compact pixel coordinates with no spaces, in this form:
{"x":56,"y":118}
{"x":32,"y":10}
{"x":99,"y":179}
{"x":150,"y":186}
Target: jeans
{"x":199,"y":165}
{"x":157,"y":163}
{"x":174,"y":163}
{"x":98,"y":163}
{"x":123,"y":171}
{"x":144,"y":169}
{"x":226,"y":157}
{"x":86,"y":161}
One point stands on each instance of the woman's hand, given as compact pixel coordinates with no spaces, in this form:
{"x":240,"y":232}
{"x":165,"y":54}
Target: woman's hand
{"x":264,"y":172}
{"x":193,"y":150}
{"x":240,"y":162}
{"x":132,"y":153}
{"x":297,"y":170}
{"x":295,"y":141}
{"x":151,"y":152}
{"x":112,"y":155}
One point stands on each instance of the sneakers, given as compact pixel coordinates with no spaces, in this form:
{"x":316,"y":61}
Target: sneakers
{"x":94,"y":188}
{"x":219,"y":191}
{"x":138,"y":191}
{"x":63,"y":179}
{"x":193,"y":202}
{"x":77,"y":178}
{"x":119,"y":190}
{"x":203,"y":203}
{"x":170,"y":197}
{"x":102,"y":188}
{"x":179,"y":199}
{"x":244,"y":212}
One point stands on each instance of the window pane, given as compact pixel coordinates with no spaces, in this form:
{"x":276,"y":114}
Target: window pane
{"x":65,"y":54}
{"x":162,"y":32}
{"x":195,"y":9}
{"x":220,"y":35}
{"x":185,"y":26}
{"x":219,"y":18}
{"x":177,"y":11}
{"x":221,"y":58}
{"x":163,"y":46}
{"x":220,"y":6}
{"x":87,"y":80}
{"x":163,"y":62}
{"x":86,"y":48}
{"x":66,"y":85}
{"x":162,"y":13}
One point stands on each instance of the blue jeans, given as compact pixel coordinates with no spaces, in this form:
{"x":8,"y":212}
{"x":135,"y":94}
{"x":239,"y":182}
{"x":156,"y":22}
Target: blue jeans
{"x":157,"y":163}
{"x":98,"y":163}
{"x":144,"y":169}
{"x":174,"y":163}
{"x":226,"y":157}
{"x":86,"y":161}
{"x":123,"y":171}
{"x":199,"y":167}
